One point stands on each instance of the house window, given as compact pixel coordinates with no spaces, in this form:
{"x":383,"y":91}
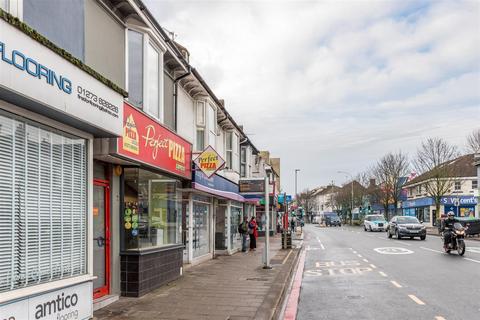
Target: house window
{"x":153,"y":84}
{"x":243,"y":162}
{"x":236,"y":152}
{"x":43,"y":205}
{"x":212,"y":125}
{"x":419,"y":189}
{"x":458,"y":185}
{"x":474,"y":184}
{"x":135,"y":68}
{"x":200,"y":121}
{"x":228,"y":149}
{"x":145,"y":74}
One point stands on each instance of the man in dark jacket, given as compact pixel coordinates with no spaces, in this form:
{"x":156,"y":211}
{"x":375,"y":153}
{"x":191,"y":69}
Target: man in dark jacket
{"x":447,"y":228}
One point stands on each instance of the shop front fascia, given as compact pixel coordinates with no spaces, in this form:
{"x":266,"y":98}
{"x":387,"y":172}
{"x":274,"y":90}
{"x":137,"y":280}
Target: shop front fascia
{"x":155,"y":167}
{"x":228,"y":208}
{"x":50,"y":112}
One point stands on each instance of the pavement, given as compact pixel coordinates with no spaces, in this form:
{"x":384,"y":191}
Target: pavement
{"x":229,"y":287}
{"x":352,"y":274}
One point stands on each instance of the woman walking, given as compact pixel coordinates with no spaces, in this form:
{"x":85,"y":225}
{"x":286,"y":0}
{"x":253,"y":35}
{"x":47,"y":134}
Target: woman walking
{"x":253,"y":233}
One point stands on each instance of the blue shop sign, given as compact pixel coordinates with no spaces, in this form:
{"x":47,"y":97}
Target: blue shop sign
{"x":422,"y":202}
{"x":463,"y":200}
{"x":281,"y":196}
{"x":216,"y":185}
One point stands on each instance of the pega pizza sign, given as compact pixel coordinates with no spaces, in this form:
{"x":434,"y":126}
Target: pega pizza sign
{"x":146,"y":141}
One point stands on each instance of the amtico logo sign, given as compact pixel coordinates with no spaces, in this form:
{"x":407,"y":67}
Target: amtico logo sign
{"x":62,"y":303}
{"x":71,"y":303}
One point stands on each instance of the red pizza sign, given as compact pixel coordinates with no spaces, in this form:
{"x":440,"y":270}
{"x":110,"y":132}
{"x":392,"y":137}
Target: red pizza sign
{"x":149,"y":142}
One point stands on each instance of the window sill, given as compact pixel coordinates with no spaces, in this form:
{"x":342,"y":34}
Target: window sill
{"x":43,"y":288}
{"x":145,"y":251}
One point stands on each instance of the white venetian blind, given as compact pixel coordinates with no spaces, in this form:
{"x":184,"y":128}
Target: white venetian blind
{"x":42,"y":204}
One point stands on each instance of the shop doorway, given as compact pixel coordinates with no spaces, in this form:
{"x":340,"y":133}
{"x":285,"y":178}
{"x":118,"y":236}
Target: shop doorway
{"x":101,"y":238}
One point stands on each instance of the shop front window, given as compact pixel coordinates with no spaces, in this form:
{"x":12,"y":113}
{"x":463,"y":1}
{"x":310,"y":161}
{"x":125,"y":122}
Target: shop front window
{"x":201,"y":230}
{"x":43,"y":204}
{"x":236,"y":216}
{"x":152,"y":214}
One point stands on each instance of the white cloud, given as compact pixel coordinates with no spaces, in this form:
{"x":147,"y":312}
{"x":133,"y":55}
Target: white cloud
{"x":333,"y":85}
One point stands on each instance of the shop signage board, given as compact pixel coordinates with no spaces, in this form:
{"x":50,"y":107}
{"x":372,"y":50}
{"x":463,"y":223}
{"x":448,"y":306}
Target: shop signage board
{"x":209,"y":161}
{"x":73,"y":302}
{"x":216,"y":185}
{"x":252,"y":186}
{"x":31,"y":70}
{"x":146,"y":141}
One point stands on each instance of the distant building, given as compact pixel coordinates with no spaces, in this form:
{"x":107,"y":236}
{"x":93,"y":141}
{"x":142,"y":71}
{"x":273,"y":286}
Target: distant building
{"x":460,"y":199}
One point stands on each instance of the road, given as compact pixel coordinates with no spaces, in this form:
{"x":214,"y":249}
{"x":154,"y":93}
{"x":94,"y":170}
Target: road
{"x":344,"y":277}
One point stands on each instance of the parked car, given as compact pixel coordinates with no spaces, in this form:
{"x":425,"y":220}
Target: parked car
{"x":405,"y":226}
{"x":332,"y":219}
{"x":375,"y":222}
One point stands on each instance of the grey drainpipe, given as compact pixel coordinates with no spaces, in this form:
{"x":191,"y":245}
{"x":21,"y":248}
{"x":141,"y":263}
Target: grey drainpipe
{"x":175,"y":94}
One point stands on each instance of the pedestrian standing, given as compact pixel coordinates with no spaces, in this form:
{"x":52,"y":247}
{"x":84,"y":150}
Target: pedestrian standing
{"x":253,"y":233}
{"x":243,"y":230}
{"x":292,"y":224}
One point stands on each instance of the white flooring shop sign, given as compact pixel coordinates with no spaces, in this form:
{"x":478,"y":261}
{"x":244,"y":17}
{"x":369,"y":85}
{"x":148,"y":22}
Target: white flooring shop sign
{"x":27,"y":68}
{"x":71,"y":303}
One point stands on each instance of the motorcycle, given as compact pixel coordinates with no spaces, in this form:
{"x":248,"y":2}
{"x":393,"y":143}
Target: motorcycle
{"x":457,"y":241}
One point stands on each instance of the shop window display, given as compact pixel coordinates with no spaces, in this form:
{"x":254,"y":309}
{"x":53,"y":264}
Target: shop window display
{"x":152,"y":210}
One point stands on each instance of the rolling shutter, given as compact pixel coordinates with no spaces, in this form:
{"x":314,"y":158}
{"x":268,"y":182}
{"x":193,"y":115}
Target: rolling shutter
{"x":43,"y":207}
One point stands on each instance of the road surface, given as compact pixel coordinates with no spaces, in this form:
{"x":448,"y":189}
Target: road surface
{"x":352,"y":274}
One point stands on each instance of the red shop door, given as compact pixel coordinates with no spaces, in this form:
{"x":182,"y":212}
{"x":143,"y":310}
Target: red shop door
{"x":101,"y":238}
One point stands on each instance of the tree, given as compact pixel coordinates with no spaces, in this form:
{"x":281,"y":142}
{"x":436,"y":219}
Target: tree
{"x":343,"y":198}
{"x":307,"y":201}
{"x":433,"y":163}
{"x":388,"y":172}
{"x":473,"y":142}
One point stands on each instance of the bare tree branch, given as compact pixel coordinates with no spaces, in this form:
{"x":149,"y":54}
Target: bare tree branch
{"x":473,"y":142}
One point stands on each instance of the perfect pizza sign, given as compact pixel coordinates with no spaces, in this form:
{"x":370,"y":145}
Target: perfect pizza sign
{"x":209,"y":161}
{"x":146,"y":141}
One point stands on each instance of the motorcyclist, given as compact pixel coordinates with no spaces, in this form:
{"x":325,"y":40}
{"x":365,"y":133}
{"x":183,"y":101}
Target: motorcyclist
{"x":448,"y":227}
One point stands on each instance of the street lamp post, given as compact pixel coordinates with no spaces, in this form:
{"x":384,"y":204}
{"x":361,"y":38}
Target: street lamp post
{"x":296,"y":171}
{"x":351,"y":177}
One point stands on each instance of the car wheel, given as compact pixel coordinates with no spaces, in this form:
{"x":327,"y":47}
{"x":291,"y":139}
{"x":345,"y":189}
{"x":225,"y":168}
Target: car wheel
{"x":411,"y":238}
{"x":389,"y":235}
{"x":364,"y":228}
{"x":422,"y":237}
{"x":398,"y":235}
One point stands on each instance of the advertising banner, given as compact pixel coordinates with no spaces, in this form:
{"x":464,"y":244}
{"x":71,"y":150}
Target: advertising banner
{"x":147,"y":141}
{"x":209,"y":161}
{"x":73,"y":302}
{"x":252,"y":186}
{"x":29,"y":69}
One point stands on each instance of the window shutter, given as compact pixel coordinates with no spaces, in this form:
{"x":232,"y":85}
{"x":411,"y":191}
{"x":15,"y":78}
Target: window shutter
{"x":42,"y":204}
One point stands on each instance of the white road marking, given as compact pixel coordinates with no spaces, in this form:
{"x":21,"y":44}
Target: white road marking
{"x":395,"y":283}
{"x":418,"y":301}
{"x":399,"y":242}
{"x":432,"y":250}
{"x":288,"y":255}
{"x":321,"y":244}
{"x":393,"y":250}
{"x":359,"y":255}
{"x":474,"y":249}
{"x":383,"y":274}
{"x":473,"y":260}
{"x":439,"y":318}
{"x":355,"y":252}
{"x":365,"y":260}
{"x":373,"y":266}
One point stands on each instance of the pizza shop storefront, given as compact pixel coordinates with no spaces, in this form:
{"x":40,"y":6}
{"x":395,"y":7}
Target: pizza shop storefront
{"x":154,"y":164}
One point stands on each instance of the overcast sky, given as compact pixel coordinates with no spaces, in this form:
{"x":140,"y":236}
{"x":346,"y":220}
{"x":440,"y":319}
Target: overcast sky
{"x":334,"y":85}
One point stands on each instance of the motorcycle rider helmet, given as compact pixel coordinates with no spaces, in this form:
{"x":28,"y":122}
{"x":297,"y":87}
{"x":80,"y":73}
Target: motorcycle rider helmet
{"x":450,"y":215}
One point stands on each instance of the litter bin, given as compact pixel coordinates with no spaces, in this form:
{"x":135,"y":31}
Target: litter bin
{"x":287,"y":234}
{"x":472,"y":224}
